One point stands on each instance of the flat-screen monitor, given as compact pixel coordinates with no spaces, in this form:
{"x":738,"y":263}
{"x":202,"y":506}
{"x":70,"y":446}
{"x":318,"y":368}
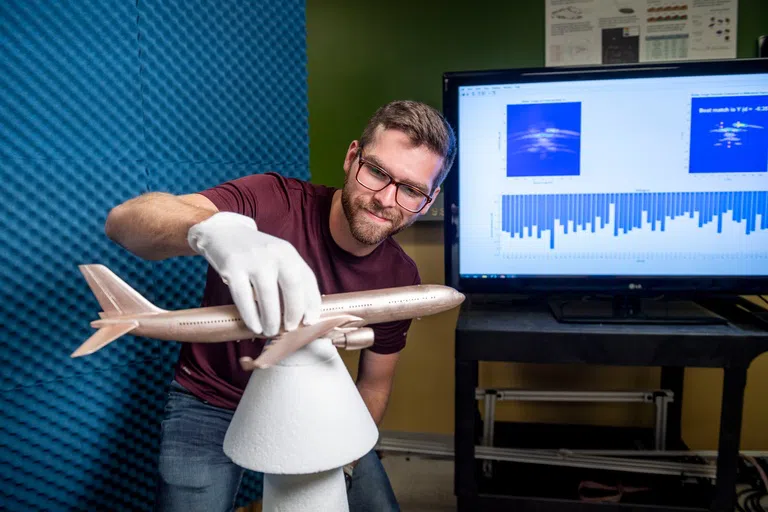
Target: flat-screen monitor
{"x":628,"y":178}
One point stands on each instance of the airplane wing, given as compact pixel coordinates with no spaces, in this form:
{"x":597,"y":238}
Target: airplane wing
{"x":290,"y":342}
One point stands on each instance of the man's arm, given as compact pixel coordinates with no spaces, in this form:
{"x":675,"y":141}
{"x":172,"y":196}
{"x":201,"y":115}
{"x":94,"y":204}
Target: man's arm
{"x":158,"y":225}
{"x":154,"y":226}
{"x":375,"y":376}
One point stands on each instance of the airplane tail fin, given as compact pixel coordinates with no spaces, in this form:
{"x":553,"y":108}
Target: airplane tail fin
{"x":116,"y":298}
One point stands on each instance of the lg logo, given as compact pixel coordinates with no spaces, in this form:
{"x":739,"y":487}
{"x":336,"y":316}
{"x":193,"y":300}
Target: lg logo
{"x":633,"y":286}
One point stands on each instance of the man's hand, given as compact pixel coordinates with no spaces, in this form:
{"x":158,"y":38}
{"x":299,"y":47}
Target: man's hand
{"x":244,"y":257}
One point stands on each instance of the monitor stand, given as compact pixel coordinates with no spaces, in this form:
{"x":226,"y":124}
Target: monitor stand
{"x":632,"y":310}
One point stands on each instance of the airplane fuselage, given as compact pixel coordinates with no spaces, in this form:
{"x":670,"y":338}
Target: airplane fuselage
{"x":223,"y":323}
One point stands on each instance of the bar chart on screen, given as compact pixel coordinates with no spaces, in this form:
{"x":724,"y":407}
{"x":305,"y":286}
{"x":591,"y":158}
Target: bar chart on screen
{"x":715,"y":228}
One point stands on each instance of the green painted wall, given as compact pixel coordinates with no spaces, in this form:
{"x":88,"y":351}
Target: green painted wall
{"x":362,"y":54}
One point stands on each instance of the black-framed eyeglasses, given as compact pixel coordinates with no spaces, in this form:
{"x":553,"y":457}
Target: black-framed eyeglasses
{"x":374,"y":178}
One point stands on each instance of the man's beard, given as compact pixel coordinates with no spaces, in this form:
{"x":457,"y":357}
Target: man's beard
{"x":367,"y":231}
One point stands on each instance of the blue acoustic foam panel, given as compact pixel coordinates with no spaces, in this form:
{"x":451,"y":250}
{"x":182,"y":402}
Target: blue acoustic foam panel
{"x":53,"y":221}
{"x":69,"y":80}
{"x":103,"y":100}
{"x":86,"y":442}
{"x":253,"y":78}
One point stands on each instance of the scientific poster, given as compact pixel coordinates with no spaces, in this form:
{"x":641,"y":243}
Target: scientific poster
{"x":589,"y":32}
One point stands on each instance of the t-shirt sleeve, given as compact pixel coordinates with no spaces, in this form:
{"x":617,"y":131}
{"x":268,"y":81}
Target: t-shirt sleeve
{"x":390,"y":337}
{"x":263,"y":197}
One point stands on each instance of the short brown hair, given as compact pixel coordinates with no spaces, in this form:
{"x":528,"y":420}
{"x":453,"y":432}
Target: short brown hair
{"x":422,"y":123}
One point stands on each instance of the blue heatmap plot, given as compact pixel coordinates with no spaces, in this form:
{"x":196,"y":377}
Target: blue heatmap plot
{"x":522,"y":213}
{"x":544,"y":139}
{"x":729,"y":134}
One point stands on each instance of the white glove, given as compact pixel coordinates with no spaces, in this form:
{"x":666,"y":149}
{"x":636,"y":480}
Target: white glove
{"x":244,"y":256}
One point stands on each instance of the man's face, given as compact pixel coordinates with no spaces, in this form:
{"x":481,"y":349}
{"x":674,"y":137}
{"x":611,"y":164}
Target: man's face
{"x":373,"y":216}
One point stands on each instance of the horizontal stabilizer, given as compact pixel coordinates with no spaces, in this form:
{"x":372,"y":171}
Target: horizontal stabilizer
{"x":103,"y":337}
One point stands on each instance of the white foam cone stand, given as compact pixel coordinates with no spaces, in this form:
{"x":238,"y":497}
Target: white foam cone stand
{"x":299,"y":422}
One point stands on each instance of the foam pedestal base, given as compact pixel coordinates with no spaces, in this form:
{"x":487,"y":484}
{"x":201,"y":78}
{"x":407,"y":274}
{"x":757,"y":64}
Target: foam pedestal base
{"x":299,"y":422}
{"x":303,"y":415}
{"x":326,"y":490}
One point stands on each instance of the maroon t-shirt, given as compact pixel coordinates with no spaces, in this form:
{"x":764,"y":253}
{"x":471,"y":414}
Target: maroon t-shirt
{"x":297,"y":212}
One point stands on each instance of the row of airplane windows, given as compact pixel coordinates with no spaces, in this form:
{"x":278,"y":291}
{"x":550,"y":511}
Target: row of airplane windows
{"x":415,"y":299}
{"x":211,"y":321}
{"x":323,"y":309}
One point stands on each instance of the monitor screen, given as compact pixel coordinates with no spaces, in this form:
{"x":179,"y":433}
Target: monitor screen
{"x":616,"y":175}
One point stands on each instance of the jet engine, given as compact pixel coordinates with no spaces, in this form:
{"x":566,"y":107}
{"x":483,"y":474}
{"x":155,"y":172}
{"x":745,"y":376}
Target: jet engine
{"x":354,"y":340}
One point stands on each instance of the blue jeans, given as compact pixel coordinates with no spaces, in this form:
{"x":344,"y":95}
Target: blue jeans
{"x":196,"y":475}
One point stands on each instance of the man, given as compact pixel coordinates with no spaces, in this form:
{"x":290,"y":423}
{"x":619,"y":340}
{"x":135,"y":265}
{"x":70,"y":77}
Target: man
{"x":268,"y":238}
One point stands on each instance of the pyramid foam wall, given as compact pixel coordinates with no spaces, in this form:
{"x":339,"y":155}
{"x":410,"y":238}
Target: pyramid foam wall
{"x":104,"y":100}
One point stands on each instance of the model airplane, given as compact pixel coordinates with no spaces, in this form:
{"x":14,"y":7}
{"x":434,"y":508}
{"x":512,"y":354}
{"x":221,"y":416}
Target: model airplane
{"x":342,"y":318}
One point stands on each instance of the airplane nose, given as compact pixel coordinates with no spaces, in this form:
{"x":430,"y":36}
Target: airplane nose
{"x":458,"y":296}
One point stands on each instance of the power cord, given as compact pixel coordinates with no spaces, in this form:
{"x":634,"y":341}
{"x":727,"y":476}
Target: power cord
{"x":749,"y":499}
{"x":752,"y":501}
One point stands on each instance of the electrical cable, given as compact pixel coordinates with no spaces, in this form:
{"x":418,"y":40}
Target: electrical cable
{"x":750,"y":497}
{"x":752,"y":503}
{"x":759,"y":490}
{"x":739,"y":496}
{"x":759,"y":468}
